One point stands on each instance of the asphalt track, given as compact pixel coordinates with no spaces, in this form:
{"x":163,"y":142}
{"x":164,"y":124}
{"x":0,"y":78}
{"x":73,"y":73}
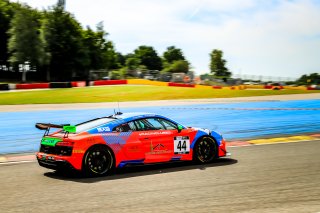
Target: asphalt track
{"x":262,"y":178}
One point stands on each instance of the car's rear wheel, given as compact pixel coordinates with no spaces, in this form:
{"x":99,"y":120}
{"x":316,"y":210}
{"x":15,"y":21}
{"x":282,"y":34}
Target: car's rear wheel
{"x":205,"y":150}
{"x":98,"y":161}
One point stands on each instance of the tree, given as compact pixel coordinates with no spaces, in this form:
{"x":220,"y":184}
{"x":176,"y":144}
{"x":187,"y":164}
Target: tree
{"x":101,"y":53}
{"x":119,"y":62}
{"x":64,"y":36}
{"x":110,"y":56}
{"x":313,"y":78}
{"x":173,"y":54}
{"x":6,"y":15}
{"x":93,"y":42}
{"x":25,"y":43}
{"x":54,"y":41}
{"x":218,"y":64}
{"x":148,"y":57}
{"x":176,"y":66}
{"x":180,"y":66}
{"x":132,"y":63}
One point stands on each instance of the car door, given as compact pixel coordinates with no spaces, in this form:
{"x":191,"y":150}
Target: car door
{"x":156,"y":139}
{"x":133,"y":148}
{"x":180,"y":140}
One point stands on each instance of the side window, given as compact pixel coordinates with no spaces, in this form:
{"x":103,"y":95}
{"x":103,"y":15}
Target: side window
{"x":167,"y":124}
{"x":132,"y":126}
{"x":151,"y":124}
{"x":156,"y":124}
{"x":143,"y":125}
{"x":123,"y":128}
{"x":139,"y":124}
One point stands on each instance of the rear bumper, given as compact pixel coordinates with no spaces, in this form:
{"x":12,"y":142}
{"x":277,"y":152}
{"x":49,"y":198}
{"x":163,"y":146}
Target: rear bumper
{"x":56,"y":165}
{"x":54,"y":162}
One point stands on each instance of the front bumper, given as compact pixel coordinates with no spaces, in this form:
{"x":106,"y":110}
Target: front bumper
{"x":228,"y":154}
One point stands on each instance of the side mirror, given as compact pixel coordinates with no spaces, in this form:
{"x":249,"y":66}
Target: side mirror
{"x":180,"y":128}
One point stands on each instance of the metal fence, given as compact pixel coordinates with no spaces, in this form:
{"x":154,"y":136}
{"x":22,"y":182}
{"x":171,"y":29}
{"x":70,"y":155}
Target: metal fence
{"x":247,"y":77}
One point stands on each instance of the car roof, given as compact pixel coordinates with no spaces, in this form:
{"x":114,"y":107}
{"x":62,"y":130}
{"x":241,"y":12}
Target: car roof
{"x":134,"y":115}
{"x":126,"y":117}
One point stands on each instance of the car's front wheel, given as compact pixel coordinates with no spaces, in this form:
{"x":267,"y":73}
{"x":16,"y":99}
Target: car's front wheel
{"x":205,"y":150}
{"x":98,"y":161}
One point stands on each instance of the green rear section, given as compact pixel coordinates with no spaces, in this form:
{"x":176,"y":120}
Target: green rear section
{"x":50,"y":141}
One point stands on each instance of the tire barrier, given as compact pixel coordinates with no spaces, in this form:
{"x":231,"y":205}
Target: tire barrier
{"x":12,"y":86}
{"x":313,"y":88}
{"x":144,"y":82}
{"x":109,"y":82}
{"x":33,"y":86}
{"x":171,"y":84}
{"x":216,"y":87}
{"x":60,"y":85}
{"x":273,"y":87}
{"x":78,"y":83}
{"x":4,"y":86}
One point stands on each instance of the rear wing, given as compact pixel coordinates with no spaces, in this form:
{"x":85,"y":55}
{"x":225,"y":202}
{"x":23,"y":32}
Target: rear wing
{"x":66,"y":127}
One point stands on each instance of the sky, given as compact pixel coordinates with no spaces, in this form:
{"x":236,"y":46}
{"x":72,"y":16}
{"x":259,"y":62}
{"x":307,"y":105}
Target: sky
{"x":278,"y":38}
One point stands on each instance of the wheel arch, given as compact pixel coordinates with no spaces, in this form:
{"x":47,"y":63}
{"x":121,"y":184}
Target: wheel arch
{"x":105,"y":146}
{"x":209,"y":136}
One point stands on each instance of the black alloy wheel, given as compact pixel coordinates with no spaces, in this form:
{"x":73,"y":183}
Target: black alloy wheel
{"x":98,"y":161}
{"x":205,"y":150}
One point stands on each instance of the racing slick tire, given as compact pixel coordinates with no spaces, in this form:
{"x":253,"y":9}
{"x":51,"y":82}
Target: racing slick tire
{"x":205,"y":150}
{"x":98,"y":161}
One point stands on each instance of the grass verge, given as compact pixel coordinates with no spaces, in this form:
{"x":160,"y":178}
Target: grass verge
{"x":129,"y":93}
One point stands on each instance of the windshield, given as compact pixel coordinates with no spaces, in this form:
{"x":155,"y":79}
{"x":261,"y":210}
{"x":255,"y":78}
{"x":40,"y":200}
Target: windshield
{"x":92,"y":124}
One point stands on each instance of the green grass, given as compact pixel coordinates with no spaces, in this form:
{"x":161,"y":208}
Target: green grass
{"x":128,"y":93}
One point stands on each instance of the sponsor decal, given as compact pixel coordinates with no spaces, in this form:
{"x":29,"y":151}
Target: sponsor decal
{"x":50,"y":158}
{"x":50,"y":141}
{"x":134,"y":149}
{"x":90,"y":140}
{"x":45,"y":157}
{"x":103,"y":129}
{"x":158,"y":149}
{"x":78,"y":151}
{"x":159,"y":152}
{"x":181,"y":145}
{"x":156,"y":133}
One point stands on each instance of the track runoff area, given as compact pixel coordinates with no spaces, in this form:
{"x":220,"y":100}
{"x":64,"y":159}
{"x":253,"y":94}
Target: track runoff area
{"x":267,"y":174}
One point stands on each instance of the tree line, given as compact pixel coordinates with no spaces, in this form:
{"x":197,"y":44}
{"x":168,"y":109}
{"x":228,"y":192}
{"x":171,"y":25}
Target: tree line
{"x":54,"y":44}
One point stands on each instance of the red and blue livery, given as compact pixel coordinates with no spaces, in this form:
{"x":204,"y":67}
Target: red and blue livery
{"x":98,"y":146}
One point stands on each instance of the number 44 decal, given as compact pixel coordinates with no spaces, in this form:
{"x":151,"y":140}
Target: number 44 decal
{"x":181,"y":145}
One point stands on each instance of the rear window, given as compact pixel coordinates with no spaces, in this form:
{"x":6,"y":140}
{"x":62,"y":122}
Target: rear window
{"x":92,"y":124}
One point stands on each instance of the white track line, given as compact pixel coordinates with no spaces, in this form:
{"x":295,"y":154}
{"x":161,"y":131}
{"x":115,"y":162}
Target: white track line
{"x":16,"y":162}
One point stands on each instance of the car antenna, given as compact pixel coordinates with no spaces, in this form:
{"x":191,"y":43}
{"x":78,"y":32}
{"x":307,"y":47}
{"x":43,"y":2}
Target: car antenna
{"x":119,"y":112}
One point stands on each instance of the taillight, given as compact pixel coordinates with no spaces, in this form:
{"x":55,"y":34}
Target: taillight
{"x":65,"y":143}
{"x":64,"y":148}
